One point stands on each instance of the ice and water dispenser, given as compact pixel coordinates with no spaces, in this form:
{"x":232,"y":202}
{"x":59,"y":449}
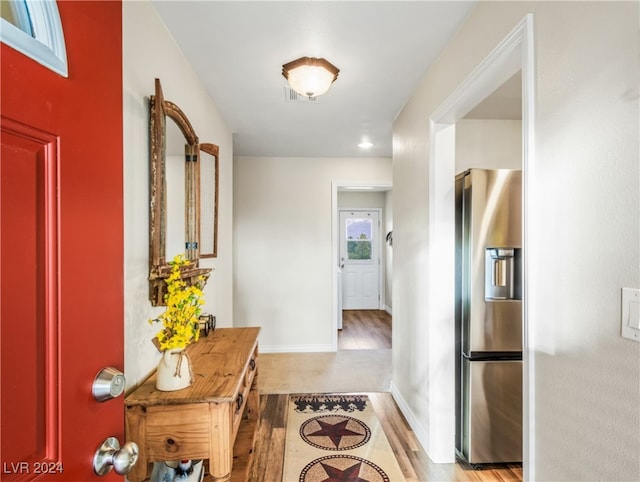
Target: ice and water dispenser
{"x":502,"y":274}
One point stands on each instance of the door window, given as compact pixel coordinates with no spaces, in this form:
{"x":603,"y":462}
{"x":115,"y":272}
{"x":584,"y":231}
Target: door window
{"x":34,"y":28}
{"x":16,"y":13}
{"x":358,"y":232}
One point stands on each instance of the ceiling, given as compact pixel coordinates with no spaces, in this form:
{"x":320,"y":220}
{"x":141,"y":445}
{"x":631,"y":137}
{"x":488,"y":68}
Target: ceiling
{"x":382,"y":50}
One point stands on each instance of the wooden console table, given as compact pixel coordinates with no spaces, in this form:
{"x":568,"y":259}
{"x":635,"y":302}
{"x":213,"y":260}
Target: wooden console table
{"x":215,"y":418}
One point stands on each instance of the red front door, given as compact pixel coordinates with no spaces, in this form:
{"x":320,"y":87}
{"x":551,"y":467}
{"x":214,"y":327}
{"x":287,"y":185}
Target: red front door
{"x":61,"y":249}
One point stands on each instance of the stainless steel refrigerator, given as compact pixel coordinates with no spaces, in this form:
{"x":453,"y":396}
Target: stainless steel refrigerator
{"x":489,"y":316}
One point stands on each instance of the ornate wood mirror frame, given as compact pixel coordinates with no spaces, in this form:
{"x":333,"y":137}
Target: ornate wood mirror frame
{"x":208,"y":185}
{"x":159,"y":267}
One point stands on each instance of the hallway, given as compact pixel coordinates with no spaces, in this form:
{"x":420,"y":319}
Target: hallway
{"x":361,"y":364}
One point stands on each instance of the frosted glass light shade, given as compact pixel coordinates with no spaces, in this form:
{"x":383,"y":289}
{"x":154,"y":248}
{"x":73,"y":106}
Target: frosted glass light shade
{"x":310,"y":76}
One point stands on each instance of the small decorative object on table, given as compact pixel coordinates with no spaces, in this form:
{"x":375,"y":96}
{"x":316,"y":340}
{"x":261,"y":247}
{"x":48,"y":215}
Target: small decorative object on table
{"x":180,"y":327}
{"x":207,"y":323}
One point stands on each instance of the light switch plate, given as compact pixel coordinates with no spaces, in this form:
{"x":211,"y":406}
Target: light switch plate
{"x":630,"y":314}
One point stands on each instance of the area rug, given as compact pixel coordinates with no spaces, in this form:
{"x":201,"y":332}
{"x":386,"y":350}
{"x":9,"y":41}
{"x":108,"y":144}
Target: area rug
{"x":332,"y":438}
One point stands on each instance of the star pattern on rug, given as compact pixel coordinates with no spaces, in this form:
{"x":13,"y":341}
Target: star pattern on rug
{"x":350,"y":474}
{"x":335,"y":431}
{"x":343,"y":468}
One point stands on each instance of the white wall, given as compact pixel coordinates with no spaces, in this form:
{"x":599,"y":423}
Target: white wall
{"x":584,"y":240}
{"x":149,"y":52}
{"x":488,"y":144}
{"x":283,"y":237}
{"x":351,"y":199}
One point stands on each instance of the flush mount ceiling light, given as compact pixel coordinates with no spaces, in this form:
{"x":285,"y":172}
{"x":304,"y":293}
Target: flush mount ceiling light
{"x":310,"y":76}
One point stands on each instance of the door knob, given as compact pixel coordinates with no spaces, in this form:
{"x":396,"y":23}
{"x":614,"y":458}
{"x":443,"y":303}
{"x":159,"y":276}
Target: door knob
{"x":109,"y":383}
{"x":111,"y":456}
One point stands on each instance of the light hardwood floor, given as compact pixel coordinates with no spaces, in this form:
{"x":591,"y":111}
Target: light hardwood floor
{"x":365,"y":330}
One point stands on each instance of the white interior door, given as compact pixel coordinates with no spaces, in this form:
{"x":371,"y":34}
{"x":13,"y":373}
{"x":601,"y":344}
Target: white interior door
{"x":360,"y":259}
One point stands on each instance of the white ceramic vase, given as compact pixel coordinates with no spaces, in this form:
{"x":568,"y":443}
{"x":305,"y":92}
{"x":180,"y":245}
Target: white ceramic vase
{"x":174,"y":371}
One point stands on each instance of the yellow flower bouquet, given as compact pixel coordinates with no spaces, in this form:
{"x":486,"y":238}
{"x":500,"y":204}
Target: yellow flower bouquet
{"x":180,"y":325}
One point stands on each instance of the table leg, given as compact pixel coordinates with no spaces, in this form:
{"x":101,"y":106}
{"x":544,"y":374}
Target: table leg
{"x":135,"y":422}
{"x":220,"y":430}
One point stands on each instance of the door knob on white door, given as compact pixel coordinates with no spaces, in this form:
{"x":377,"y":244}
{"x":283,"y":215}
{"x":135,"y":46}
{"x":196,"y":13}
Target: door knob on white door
{"x":111,"y":456}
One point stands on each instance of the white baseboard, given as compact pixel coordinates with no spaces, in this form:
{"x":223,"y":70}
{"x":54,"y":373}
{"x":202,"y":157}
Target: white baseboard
{"x":388,"y":309}
{"x":419,"y":431}
{"x":296,"y":348}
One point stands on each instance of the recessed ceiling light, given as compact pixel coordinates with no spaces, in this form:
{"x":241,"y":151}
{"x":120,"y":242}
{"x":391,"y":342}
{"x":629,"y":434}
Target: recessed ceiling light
{"x":365,"y":145}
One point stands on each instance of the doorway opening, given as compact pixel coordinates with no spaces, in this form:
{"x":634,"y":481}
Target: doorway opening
{"x":362,"y":266}
{"x":513,"y":54}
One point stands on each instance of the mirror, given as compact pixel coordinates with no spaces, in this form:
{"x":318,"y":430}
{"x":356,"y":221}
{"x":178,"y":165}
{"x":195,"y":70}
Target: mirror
{"x":175,"y":172}
{"x":177,"y":211}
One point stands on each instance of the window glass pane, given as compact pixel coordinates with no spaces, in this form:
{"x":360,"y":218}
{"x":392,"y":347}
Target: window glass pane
{"x":358,"y":228}
{"x":359,"y":250}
